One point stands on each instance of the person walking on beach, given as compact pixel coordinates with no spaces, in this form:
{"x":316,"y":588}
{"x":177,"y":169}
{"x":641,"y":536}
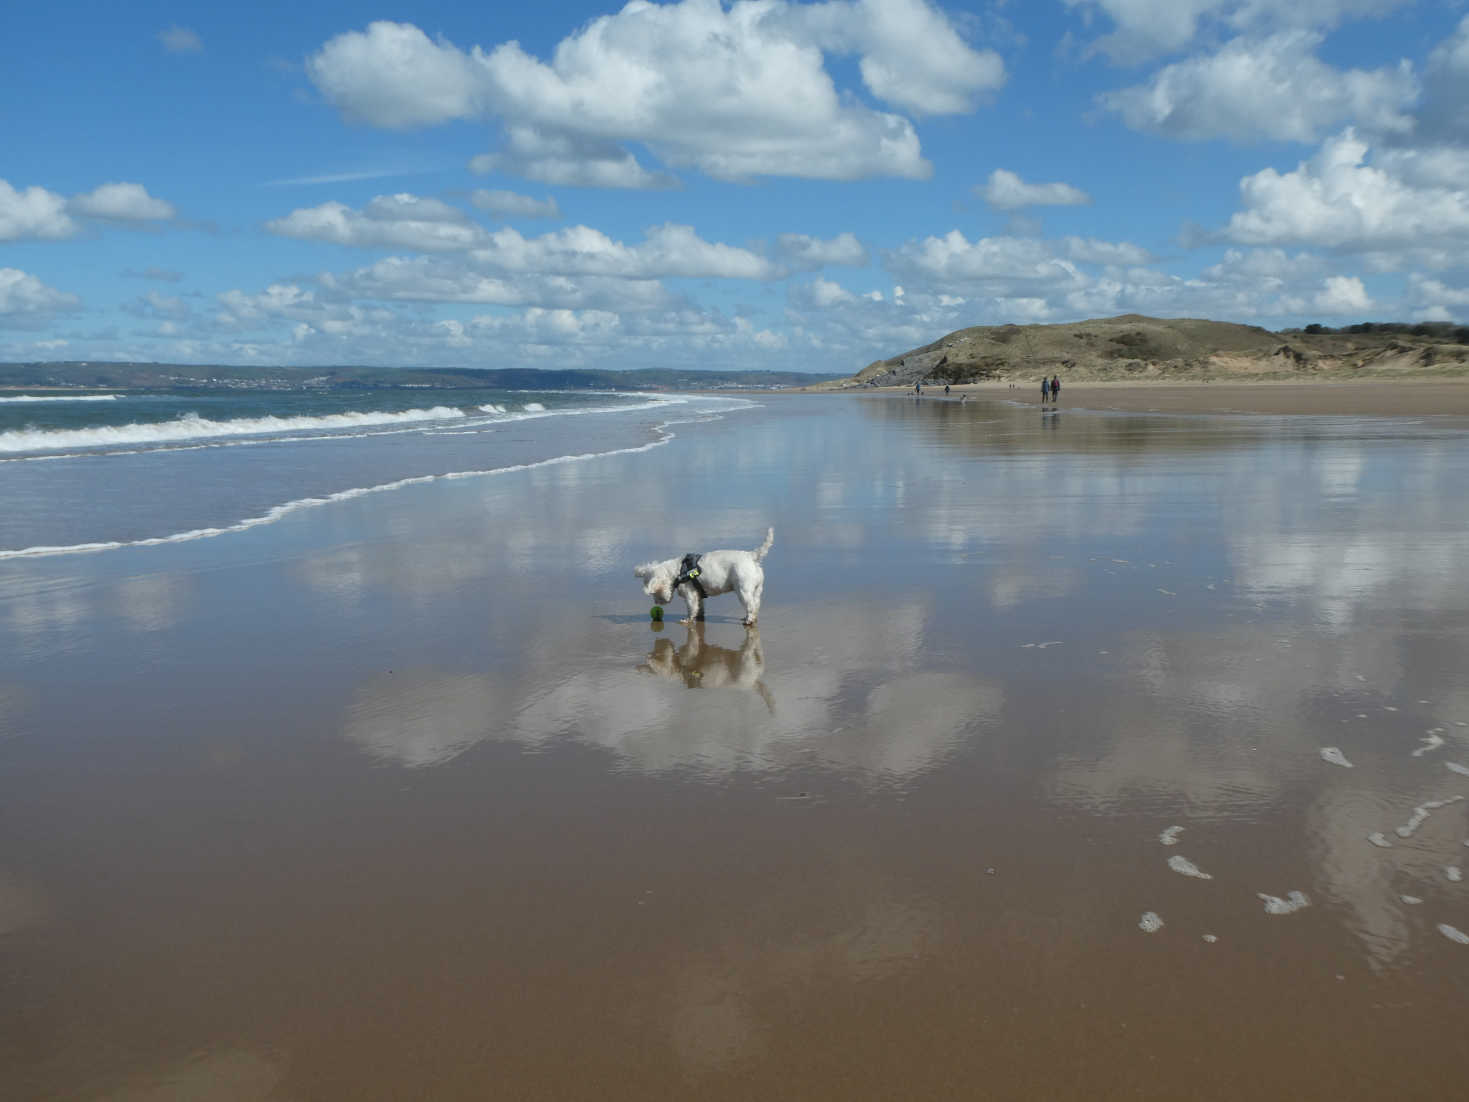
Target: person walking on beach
{"x":917,"y":390}
{"x":1045,"y":389}
{"x":1055,"y":388}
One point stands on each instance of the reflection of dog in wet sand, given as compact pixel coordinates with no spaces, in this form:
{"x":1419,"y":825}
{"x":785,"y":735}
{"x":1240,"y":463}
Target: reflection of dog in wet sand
{"x":702,"y":665}
{"x":697,"y":577}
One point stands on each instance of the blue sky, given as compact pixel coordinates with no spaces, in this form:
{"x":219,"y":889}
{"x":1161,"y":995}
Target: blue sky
{"x":771,"y":184}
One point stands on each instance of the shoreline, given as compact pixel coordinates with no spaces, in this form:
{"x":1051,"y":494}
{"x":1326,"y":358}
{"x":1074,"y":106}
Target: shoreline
{"x":1358,"y":398}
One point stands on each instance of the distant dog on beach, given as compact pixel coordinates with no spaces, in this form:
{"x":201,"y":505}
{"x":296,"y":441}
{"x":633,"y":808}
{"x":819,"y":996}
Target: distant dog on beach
{"x":697,"y":577}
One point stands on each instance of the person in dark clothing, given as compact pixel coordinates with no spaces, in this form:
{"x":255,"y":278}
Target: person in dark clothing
{"x":1055,"y":388}
{"x":1045,"y":390}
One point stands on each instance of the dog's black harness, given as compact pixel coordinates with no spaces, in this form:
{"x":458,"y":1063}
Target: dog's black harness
{"x":688,"y":571}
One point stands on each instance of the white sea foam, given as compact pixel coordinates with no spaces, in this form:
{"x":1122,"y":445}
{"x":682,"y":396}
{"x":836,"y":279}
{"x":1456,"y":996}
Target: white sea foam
{"x":193,"y":427}
{"x":1150,"y":923}
{"x":1453,"y":933}
{"x":1293,"y":901}
{"x":1431,"y":741}
{"x":1334,"y":756}
{"x":1183,"y":865}
{"x":83,"y":438}
{"x":1211,"y":938}
{"x":1421,"y":813}
{"x":1455,"y":767}
{"x":1169,"y":837}
{"x":280,"y":511}
{"x":1411,"y":900}
{"x":1454,"y":873}
{"x":490,"y":407}
{"x":60,"y":398}
{"x":1379,"y":839}
{"x":533,"y":407}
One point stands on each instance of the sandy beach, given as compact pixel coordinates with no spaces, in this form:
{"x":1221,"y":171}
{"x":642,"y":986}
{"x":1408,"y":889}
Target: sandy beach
{"x":1018,"y":791}
{"x":1377,"y":398}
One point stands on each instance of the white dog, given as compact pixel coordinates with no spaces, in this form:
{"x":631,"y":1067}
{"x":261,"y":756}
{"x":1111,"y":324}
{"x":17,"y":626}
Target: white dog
{"x":695,"y":577}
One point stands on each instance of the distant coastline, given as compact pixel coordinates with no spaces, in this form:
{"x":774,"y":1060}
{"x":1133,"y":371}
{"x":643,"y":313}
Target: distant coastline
{"x":83,"y":375}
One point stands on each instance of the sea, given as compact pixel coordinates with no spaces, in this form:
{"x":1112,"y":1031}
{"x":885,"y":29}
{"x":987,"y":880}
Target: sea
{"x":99,"y":470}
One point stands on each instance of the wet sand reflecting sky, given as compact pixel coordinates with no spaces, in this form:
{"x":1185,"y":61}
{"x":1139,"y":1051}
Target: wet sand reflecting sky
{"x":406,"y":798}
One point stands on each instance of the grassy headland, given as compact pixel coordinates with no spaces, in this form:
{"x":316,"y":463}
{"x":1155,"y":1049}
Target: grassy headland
{"x":1134,"y":348}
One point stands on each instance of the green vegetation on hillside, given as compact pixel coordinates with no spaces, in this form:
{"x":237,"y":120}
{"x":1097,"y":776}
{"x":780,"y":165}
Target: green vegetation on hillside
{"x":1136,"y":347}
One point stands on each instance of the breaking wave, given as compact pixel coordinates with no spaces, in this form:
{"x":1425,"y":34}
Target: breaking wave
{"x":60,"y":398}
{"x":193,"y":427}
{"x":664,"y":435}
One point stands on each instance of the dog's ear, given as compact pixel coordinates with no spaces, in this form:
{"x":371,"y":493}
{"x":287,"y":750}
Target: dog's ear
{"x":644,"y":572}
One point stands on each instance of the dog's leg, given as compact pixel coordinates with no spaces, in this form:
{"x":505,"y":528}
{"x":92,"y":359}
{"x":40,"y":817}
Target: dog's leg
{"x":695,"y":602}
{"x":750,"y":598}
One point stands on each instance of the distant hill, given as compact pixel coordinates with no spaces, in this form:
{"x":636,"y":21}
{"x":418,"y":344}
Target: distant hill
{"x":127,"y":375}
{"x":1136,"y":347}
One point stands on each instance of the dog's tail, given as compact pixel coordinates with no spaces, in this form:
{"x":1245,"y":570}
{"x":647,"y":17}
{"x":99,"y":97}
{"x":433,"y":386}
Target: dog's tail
{"x":764,"y":549}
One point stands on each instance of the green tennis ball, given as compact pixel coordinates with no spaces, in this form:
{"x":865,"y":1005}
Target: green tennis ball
{"x":656,"y":612}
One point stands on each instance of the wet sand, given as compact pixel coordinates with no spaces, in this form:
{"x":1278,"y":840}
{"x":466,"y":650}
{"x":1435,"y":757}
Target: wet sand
{"x":1379,"y":398}
{"x":407,"y":798}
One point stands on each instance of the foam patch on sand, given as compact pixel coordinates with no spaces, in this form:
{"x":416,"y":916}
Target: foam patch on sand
{"x":1294,"y":901}
{"x":1211,"y":938}
{"x":1379,"y":839}
{"x":1185,"y":867}
{"x":1421,"y":813}
{"x":1431,"y":741}
{"x":1411,"y":900}
{"x":1334,"y":756}
{"x":1454,"y":873}
{"x":1455,"y":767}
{"x":1150,"y":923}
{"x":1453,"y":933}
{"x":1170,"y":836}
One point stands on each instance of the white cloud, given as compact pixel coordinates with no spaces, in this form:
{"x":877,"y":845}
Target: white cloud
{"x":1436,"y":301}
{"x":807,"y":252}
{"x":181,"y":40}
{"x":121,"y":202}
{"x":1089,"y":250}
{"x":1338,"y":201}
{"x":667,"y":250}
{"x":567,"y":161}
{"x":1007,"y":191}
{"x":1271,"y":266}
{"x":33,"y":213}
{"x":734,"y":93}
{"x":911,"y":56}
{"x":989,"y":263}
{"x":1274,"y":87}
{"x":24,"y":299}
{"x":509,"y":204}
{"x":1148,"y":28}
{"x":557,"y":325}
{"x":424,"y":279}
{"x":1447,"y":81}
{"x":824,"y":294}
{"x":1342,"y":295}
{"x":392,"y":75}
{"x":388,"y":221}
{"x":157,"y":305}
